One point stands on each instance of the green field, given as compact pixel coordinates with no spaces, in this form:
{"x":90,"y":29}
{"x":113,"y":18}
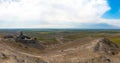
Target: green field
{"x":115,"y":40}
{"x":50,"y":36}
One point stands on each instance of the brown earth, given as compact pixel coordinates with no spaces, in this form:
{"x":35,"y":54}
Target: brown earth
{"x":84,"y":50}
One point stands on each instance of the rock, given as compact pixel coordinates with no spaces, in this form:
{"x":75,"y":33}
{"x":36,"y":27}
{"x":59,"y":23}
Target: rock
{"x":105,"y":46}
{"x":40,"y":61}
{"x":105,"y":59}
{"x":2,"y":56}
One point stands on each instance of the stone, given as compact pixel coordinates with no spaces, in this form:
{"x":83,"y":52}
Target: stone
{"x":2,"y":55}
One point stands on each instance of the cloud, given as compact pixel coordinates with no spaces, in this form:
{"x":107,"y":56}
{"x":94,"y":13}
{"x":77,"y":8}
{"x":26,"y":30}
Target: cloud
{"x":51,"y":13}
{"x":114,"y":22}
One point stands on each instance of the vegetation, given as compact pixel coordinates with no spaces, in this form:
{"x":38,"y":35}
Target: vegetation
{"x":50,"y":36}
{"x":48,"y":40}
{"x":115,"y":40}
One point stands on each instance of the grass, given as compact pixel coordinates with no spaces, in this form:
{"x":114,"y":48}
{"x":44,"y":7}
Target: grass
{"x":47,"y":32}
{"x":48,"y":40}
{"x":115,"y":40}
{"x":75,"y":36}
{"x":49,"y":36}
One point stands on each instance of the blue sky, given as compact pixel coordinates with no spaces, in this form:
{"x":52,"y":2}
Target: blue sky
{"x":90,"y":14}
{"x":114,"y":12}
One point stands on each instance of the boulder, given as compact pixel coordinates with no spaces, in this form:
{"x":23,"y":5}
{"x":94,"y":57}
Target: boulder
{"x":2,"y":55}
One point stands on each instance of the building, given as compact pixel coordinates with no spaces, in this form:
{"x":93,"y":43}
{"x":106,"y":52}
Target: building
{"x":24,"y":39}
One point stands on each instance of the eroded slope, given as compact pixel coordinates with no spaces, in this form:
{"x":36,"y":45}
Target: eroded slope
{"x":85,"y":50}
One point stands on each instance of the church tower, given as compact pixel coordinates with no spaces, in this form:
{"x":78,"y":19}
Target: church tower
{"x":21,"y":33}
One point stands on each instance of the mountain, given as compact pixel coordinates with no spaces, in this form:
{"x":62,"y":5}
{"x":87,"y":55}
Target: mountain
{"x":99,"y":26}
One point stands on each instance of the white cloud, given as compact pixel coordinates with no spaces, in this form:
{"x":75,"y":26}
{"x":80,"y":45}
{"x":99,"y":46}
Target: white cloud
{"x":51,"y":13}
{"x":114,"y":22}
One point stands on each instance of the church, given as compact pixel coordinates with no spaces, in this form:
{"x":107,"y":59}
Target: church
{"x":24,"y":39}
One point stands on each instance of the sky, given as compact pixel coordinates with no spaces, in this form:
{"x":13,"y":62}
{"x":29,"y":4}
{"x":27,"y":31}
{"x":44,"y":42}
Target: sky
{"x":82,"y":14}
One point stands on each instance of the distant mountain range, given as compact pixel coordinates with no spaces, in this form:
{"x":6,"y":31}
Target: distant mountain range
{"x":100,"y":26}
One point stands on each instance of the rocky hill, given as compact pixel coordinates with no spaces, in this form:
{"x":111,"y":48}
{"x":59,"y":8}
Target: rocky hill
{"x":85,"y":50}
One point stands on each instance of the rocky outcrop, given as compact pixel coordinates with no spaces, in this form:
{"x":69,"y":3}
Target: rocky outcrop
{"x":104,"y":45}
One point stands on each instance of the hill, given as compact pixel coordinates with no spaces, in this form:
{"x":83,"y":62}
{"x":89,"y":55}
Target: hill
{"x":85,"y":50}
